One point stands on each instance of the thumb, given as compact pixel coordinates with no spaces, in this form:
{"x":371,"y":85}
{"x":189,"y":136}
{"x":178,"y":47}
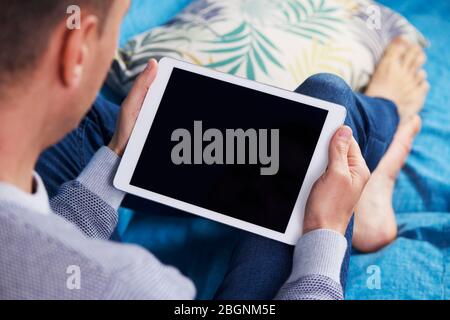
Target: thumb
{"x":141,"y":86}
{"x":339,"y":148}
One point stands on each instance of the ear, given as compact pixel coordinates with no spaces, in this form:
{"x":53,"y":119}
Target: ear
{"x":76,"y":50}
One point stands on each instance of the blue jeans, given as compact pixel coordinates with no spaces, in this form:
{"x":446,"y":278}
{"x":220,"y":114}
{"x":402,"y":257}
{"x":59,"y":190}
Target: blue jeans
{"x":259,"y":266}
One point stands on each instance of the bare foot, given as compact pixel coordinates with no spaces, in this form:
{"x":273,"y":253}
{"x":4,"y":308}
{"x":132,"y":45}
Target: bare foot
{"x":400,"y":78}
{"x":375,"y":224}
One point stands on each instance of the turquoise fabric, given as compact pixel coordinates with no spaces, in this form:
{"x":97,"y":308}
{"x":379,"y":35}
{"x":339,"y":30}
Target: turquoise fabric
{"x":416,"y":265}
{"x":146,"y":14}
{"x":413,"y":267}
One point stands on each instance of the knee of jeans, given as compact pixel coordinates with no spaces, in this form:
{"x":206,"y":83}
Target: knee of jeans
{"x":328,"y":87}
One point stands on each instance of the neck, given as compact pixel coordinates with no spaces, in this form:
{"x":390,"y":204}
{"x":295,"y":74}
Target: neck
{"x":20,"y":145}
{"x":19,"y":174}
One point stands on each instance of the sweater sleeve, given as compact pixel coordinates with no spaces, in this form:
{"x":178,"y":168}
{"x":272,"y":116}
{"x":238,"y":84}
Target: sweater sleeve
{"x":316,"y":269}
{"x":91,"y":201}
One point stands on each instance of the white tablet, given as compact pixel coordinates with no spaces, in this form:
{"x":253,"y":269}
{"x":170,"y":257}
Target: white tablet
{"x":228,"y":149}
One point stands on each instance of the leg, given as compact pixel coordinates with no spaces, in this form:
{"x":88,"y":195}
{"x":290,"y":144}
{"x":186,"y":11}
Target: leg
{"x":374,"y":120}
{"x":375,"y":221}
{"x":259,"y":266}
{"x":400,"y":78}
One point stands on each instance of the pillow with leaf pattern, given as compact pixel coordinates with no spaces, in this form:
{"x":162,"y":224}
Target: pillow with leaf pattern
{"x":277,"y":42}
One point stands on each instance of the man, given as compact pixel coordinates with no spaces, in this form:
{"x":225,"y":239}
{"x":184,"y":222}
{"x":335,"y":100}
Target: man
{"x":50,"y":76}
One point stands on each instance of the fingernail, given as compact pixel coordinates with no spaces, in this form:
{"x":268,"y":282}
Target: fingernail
{"x":345,"y":133}
{"x":149,"y":65}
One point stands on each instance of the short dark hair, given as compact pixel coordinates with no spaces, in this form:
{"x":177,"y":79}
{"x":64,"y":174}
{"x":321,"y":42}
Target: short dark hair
{"x":25,"y":28}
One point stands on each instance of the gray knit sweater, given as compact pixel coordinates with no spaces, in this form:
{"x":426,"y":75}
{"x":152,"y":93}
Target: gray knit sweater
{"x":59,"y":249}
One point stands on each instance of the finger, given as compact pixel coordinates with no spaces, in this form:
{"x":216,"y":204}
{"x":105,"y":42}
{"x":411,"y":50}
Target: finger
{"x":355,"y":156}
{"x":339,"y":147}
{"x":141,"y":86}
{"x":357,"y":165}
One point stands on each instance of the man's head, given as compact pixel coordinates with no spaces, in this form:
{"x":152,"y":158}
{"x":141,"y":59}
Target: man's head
{"x":43,"y":57}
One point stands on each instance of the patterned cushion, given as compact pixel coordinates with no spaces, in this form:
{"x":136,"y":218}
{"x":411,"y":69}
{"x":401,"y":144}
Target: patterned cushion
{"x":278,"y":42}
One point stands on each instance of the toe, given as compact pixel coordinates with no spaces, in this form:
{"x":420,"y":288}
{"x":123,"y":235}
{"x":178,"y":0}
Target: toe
{"x":411,"y":56}
{"x":415,"y":86}
{"x":419,"y":61}
{"x":396,"y":48}
{"x":421,"y":76}
{"x":426,"y":86}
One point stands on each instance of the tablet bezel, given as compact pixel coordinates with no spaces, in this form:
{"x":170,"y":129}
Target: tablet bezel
{"x":335,"y":119}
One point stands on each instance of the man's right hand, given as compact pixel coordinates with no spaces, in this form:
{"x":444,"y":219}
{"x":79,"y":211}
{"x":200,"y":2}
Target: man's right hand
{"x":334,"y":196}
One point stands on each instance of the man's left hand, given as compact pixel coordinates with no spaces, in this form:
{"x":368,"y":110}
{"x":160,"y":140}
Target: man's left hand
{"x":131,"y":108}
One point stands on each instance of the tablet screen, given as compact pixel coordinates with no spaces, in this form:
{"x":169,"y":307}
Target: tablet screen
{"x":229,"y":149}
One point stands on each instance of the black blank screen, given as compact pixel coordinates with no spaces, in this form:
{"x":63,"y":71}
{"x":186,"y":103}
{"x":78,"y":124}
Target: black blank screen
{"x":238,"y":191}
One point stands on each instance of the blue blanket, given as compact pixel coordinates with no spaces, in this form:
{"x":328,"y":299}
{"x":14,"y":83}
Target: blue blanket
{"x":414,"y":266}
